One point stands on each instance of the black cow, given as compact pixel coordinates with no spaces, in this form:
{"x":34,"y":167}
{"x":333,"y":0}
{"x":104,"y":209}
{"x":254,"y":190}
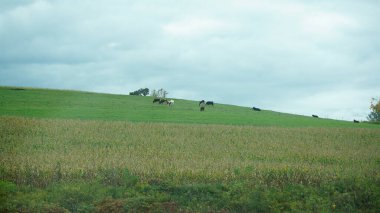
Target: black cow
{"x":210,"y":103}
{"x":356,"y":121}
{"x":256,"y":109}
{"x":156,"y":100}
{"x":315,"y":116}
{"x":163,"y":101}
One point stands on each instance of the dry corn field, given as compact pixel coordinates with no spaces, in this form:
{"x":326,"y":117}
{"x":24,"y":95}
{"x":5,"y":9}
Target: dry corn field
{"x":39,"y":151}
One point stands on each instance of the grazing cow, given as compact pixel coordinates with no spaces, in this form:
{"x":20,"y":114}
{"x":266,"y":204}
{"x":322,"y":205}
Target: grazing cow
{"x":202,"y":101}
{"x":256,"y":109}
{"x":315,"y":116}
{"x":171,"y":102}
{"x":202,"y":106}
{"x":210,"y":103}
{"x":356,"y":121}
{"x":156,"y":100}
{"x":163,"y":101}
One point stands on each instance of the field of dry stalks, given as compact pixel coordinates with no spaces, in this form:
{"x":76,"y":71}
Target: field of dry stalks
{"x":41,"y":151}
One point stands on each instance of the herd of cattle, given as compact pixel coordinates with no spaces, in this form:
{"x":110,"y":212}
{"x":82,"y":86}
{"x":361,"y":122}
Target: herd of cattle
{"x":163,"y":101}
{"x":171,"y":102}
{"x":202,"y":104}
{"x":206,"y":102}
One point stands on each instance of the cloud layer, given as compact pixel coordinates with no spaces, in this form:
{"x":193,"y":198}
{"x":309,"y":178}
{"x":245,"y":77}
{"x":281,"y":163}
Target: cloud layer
{"x":314,"y":57}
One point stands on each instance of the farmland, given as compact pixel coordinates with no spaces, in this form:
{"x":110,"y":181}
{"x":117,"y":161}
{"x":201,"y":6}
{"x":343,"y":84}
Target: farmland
{"x":57,"y":104}
{"x":77,"y":156}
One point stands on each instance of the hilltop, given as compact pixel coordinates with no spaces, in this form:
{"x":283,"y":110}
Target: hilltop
{"x":68,"y":104}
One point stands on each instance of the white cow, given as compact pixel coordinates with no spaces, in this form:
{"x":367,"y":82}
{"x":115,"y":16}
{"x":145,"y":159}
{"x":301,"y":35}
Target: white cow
{"x":171,"y":102}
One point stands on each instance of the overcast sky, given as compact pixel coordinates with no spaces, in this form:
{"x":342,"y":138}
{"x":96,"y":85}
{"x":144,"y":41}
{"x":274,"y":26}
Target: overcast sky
{"x":303,"y":57}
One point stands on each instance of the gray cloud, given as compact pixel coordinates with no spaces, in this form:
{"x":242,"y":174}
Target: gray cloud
{"x":293,"y":56}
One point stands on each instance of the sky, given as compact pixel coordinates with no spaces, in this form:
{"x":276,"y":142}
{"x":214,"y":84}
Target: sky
{"x":302,"y":57}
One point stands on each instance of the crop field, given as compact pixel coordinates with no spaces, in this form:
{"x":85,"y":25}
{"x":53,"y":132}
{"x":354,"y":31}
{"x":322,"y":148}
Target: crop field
{"x":56,"y":159}
{"x":184,"y":153}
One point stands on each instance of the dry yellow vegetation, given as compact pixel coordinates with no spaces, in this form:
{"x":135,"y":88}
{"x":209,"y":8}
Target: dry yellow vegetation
{"x":39,"y":151}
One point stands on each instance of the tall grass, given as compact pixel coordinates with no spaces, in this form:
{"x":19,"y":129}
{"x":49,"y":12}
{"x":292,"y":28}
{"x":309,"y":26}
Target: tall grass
{"x":42,"y":151}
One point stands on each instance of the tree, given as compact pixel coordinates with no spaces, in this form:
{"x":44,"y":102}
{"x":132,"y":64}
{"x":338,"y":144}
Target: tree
{"x":161,"y":93}
{"x":145,"y":92}
{"x":141,"y":91}
{"x":374,"y":116}
{"x":154,"y":93}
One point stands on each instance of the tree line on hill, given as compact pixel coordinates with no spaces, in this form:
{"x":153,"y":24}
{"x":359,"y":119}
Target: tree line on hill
{"x":140,"y":92}
{"x":161,"y":93}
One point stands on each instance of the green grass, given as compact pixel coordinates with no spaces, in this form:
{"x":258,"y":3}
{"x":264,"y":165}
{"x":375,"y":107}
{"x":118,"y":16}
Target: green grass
{"x":42,"y":103}
{"x":70,"y":151}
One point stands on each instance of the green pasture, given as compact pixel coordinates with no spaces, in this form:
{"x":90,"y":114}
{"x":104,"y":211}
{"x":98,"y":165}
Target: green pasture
{"x":61,"y":104}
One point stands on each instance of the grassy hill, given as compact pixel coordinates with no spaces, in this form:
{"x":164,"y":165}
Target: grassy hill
{"x":44,"y":103}
{"x":71,"y":151}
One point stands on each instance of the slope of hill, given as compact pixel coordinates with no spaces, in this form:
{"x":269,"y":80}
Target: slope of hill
{"x":119,"y":153}
{"x":64,"y":104}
